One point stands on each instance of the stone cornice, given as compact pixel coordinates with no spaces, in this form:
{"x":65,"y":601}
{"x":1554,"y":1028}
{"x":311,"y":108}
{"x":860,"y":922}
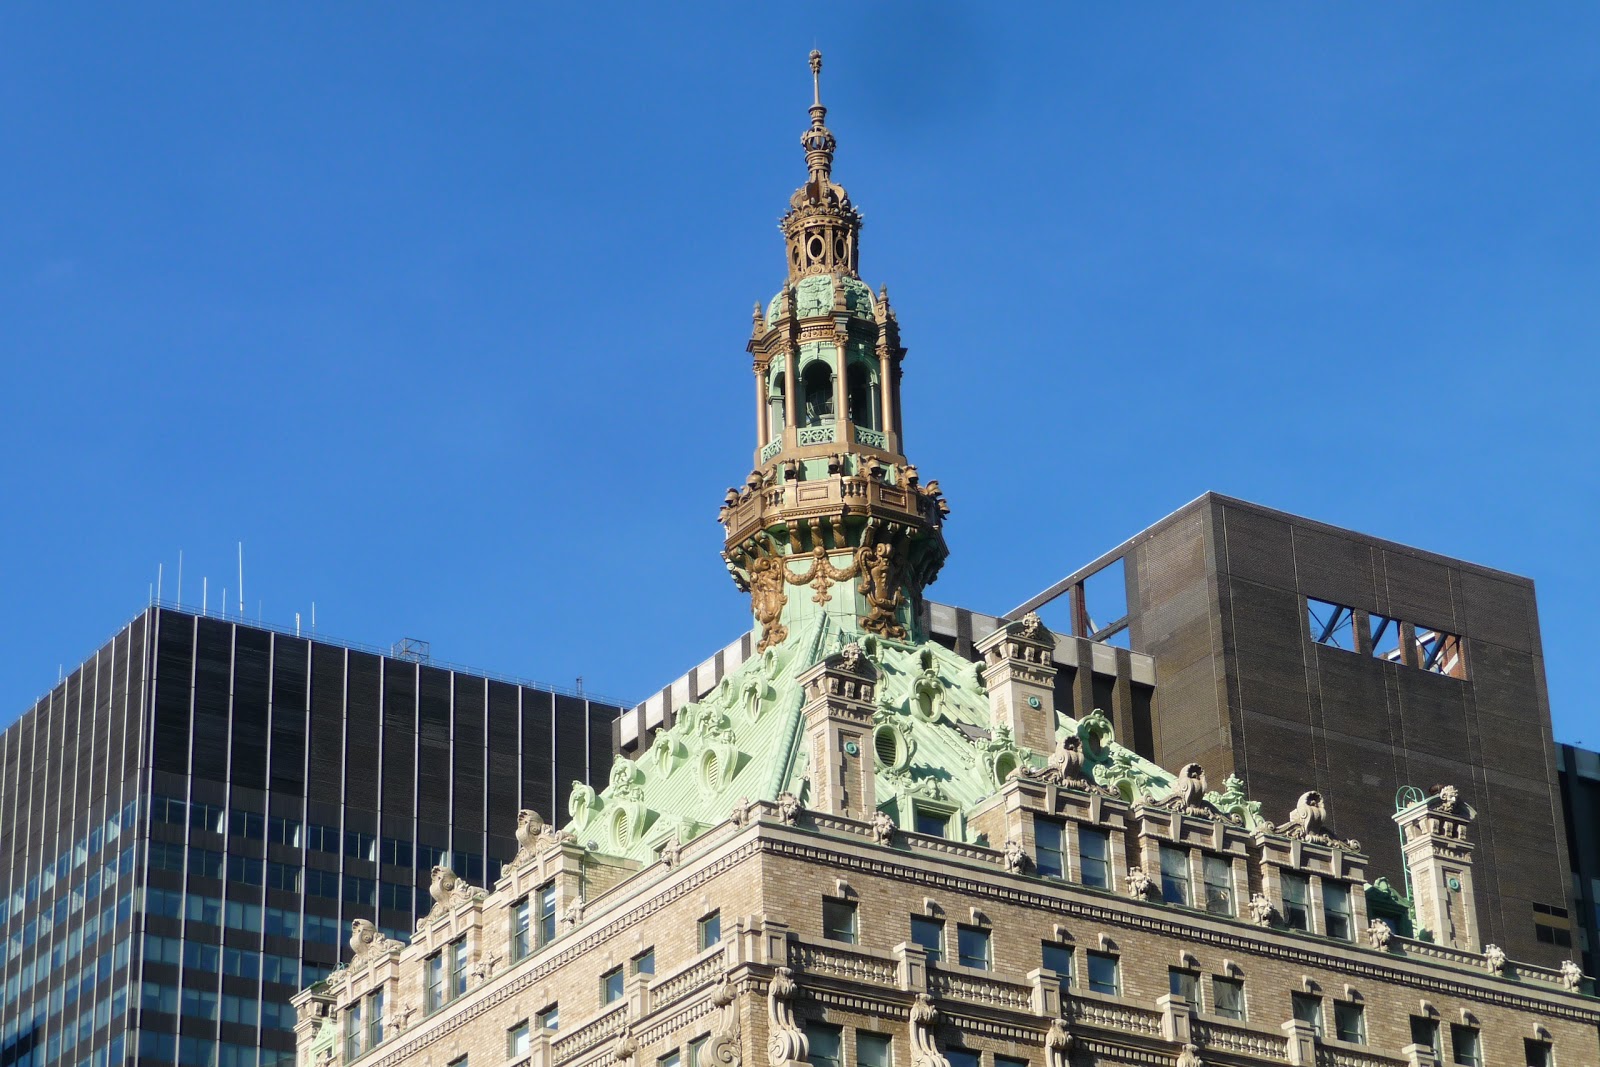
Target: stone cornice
{"x":1346,"y":958}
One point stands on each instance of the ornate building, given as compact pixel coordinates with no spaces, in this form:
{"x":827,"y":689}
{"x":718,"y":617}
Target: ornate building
{"x":862,"y":848}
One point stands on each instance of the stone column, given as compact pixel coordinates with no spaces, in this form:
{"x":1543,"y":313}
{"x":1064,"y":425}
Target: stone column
{"x":763,"y":410}
{"x":791,"y":387}
{"x":886,"y":423}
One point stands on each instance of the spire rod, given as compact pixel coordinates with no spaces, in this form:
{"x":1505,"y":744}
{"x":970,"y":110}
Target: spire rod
{"x":818,"y":140}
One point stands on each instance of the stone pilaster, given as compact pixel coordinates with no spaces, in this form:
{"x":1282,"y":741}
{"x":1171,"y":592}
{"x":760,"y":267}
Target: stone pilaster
{"x":1019,"y":672}
{"x":838,"y":713}
{"x":1438,"y":857}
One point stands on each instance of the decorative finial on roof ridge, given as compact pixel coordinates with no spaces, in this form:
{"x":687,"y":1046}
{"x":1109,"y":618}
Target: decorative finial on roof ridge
{"x":818,"y":141}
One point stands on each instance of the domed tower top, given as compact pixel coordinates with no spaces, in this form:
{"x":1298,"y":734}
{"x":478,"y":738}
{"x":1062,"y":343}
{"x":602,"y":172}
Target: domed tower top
{"x":821,"y":224}
{"x":832,"y":501}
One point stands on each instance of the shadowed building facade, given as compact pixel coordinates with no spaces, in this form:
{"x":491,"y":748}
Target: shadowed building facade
{"x":191,"y":817}
{"x":1300,"y":655}
{"x":871,"y":839}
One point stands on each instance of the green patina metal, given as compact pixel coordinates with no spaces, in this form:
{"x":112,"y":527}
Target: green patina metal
{"x":1386,"y":903}
{"x":933,"y":745}
{"x":813,"y":296}
{"x":857,"y":296}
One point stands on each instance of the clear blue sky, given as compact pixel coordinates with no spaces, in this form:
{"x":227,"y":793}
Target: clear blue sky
{"x":441,"y":309}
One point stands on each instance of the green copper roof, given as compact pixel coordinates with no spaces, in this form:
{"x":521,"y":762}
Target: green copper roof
{"x":814,"y":296}
{"x":933,"y":745}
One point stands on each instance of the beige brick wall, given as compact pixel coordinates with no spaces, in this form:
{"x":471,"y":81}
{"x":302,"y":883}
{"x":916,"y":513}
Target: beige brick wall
{"x":768,"y":881}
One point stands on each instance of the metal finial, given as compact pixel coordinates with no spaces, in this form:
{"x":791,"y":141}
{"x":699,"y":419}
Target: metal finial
{"x":816,"y":76}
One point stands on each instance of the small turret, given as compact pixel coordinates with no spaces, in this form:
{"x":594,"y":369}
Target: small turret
{"x":1438,"y":858}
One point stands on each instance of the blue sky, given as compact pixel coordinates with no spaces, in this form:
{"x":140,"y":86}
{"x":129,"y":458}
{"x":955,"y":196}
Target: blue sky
{"x":441,"y":309}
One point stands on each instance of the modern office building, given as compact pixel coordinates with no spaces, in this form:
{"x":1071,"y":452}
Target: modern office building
{"x":191,"y":818}
{"x":1299,"y":655}
{"x":1580,"y":800}
{"x":861,"y":840}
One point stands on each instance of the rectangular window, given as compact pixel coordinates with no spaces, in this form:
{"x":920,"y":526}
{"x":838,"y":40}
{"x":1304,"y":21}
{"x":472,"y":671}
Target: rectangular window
{"x":433,"y":996}
{"x":710,"y":933}
{"x":1350,"y":1021}
{"x":972,"y":947}
{"x":1094,"y":857}
{"x":1227,"y":997}
{"x":962,"y":1057}
{"x":396,"y":852}
{"x":374,"y":1019}
{"x":872,"y":1050}
{"x":669,"y":1060}
{"x":929,"y":935}
{"x":360,"y":846}
{"x":352,"y":1031}
{"x":1219,"y":886}
{"x":1009,"y":1061}
{"x":458,"y":967}
{"x":1185,"y":984}
{"x":1308,"y":1010}
{"x":932,"y":823}
{"x":839,"y":920}
{"x":546,"y":917}
{"x":283,"y":831}
{"x":517,"y":1041}
{"x":645,"y":962}
{"x":520,"y":929}
{"x":1465,"y":1046}
{"x":1331,"y":624}
{"x":694,"y":1051}
{"x":1058,"y":958}
{"x":1338,"y":918}
{"x":1383,"y":638}
{"x":1440,"y":653}
{"x":1175,"y":875}
{"x":825,"y":1042}
{"x":611,"y":986}
{"x":1537,"y":1053}
{"x":1103,"y":976}
{"x":1425,"y":1032}
{"x":1296,"y":893}
{"x":549,"y":1018}
{"x":1048,"y":840}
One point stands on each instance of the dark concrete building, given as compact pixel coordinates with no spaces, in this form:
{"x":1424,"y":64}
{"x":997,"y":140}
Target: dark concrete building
{"x":191,"y":819}
{"x":1294,"y":653}
{"x":1580,"y":800}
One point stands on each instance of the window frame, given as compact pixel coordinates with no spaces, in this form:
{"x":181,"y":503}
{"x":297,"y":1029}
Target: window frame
{"x":1046,"y":947}
{"x":1185,"y":982}
{"x":612,"y":985}
{"x":980,"y":938}
{"x":1457,"y":1032}
{"x":1300,"y":906}
{"x":1177,"y":876}
{"x":522,"y":1032}
{"x":1307,"y":1008}
{"x":1050,"y":860}
{"x":1236,"y":991}
{"x":921,"y":924}
{"x":846,"y":908}
{"x":1091,"y":958}
{"x":1215,"y":889}
{"x":1087,"y":862}
{"x":1338,"y":918}
{"x":708,"y":932}
{"x":1345,"y":1011}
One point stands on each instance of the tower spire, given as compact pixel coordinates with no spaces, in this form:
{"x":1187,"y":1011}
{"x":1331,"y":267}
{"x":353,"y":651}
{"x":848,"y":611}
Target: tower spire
{"x":833,"y":505}
{"x":818,"y":141}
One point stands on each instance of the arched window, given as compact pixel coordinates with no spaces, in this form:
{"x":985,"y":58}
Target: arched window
{"x":817,"y":382}
{"x":863,"y":397}
{"x":776,"y":406}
